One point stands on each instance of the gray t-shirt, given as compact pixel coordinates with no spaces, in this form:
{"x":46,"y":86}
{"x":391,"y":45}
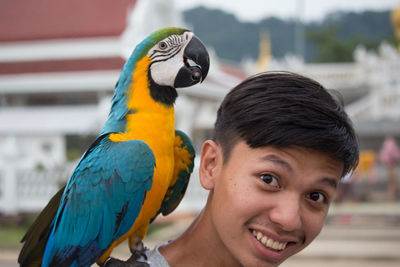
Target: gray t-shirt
{"x":155,"y":258}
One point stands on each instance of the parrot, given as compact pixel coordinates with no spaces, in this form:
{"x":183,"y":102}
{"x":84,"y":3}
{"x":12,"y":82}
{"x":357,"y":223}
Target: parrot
{"x":137,"y":168}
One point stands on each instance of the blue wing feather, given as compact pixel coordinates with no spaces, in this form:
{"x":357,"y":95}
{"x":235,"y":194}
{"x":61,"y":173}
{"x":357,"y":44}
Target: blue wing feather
{"x":100,"y":203}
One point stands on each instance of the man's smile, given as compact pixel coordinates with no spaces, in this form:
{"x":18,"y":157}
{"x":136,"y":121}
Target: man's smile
{"x":269,"y":242}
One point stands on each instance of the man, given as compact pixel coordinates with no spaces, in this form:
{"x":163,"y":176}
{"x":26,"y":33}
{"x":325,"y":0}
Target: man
{"x":281,"y":145}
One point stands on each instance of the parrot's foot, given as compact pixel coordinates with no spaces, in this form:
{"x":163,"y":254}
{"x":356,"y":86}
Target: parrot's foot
{"x":138,"y":249}
{"x":133,"y":261}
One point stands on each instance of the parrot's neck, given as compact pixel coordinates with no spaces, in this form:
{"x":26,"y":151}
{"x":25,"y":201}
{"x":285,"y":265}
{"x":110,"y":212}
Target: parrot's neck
{"x":163,"y":94}
{"x":137,"y":93}
{"x":146,"y":118}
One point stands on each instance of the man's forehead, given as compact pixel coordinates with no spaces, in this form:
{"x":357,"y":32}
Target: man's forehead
{"x":282,"y":156}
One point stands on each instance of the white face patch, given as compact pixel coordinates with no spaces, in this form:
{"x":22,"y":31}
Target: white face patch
{"x":167,"y":58}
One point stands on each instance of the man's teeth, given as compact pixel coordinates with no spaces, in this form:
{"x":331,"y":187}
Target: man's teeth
{"x":268,"y":242}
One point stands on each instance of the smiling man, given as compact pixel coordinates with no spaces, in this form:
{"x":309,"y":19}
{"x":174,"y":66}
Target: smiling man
{"x":281,"y":144}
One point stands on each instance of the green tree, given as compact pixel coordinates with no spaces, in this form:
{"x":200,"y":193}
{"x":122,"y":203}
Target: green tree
{"x":331,"y":48}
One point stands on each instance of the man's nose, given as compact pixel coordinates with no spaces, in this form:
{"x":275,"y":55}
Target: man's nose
{"x":286,"y":212}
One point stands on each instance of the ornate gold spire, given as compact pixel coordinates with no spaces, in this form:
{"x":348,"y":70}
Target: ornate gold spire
{"x":395,"y":17}
{"x":264,"y":54}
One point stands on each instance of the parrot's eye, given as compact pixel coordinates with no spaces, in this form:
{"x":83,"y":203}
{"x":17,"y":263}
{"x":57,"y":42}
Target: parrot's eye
{"x":162,"y":45}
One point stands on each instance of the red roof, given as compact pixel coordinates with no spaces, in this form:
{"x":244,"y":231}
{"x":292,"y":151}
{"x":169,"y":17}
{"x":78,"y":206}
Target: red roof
{"x":65,"y":65}
{"x":55,"y":19}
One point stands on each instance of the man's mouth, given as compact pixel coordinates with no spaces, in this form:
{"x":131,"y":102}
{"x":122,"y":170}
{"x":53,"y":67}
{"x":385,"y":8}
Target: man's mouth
{"x":269,"y":242}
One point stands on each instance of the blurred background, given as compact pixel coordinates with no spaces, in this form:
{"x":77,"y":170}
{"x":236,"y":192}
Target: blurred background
{"x":59,"y":61}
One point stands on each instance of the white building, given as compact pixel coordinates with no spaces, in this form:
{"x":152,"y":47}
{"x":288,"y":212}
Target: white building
{"x":58,"y":67}
{"x":59,"y":64}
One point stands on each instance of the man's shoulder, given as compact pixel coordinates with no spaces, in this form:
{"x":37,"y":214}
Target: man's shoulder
{"x":155,"y":258}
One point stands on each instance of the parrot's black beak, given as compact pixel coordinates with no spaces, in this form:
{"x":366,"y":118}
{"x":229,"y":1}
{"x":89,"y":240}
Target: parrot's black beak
{"x":196,"y":64}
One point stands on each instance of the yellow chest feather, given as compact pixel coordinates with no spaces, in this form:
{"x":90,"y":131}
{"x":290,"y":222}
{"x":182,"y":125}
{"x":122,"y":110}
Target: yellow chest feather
{"x":151,"y":122}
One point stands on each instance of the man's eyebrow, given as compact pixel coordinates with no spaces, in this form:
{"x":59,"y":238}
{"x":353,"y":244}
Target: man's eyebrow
{"x":278,"y":160}
{"x":329,"y":181}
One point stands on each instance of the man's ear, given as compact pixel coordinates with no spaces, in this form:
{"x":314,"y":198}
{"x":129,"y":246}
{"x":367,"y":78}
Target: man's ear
{"x":210,"y":164}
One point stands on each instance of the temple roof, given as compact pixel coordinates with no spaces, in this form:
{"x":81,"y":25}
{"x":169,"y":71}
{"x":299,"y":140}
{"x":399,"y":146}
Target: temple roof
{"x":54,"y":19}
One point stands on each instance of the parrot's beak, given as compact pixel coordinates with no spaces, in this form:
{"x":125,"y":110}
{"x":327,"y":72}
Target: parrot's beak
{"x":196,"y":64}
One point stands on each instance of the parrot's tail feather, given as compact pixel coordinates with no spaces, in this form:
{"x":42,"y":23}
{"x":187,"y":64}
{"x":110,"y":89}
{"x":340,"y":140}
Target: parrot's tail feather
{"x":36,"y":237}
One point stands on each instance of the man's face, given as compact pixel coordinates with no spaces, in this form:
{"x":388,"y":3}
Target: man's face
{"x":268,"y":204}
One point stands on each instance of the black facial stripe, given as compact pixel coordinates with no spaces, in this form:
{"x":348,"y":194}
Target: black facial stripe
{"x":163,"y":59}
{"x":177,"y":40}
{"x":169,"y":55}
{"x":162,"y":51}
{"x":171,"y":42}
{"x":166,"y":56}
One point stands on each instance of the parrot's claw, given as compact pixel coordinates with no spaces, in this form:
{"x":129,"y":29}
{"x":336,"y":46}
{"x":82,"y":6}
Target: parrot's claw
{"x":133,"y":261}
{"x":139,"y":259}
{"x":138,"y":250}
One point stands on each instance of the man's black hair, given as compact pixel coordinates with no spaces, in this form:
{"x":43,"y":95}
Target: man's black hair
{"x":283,"y":109}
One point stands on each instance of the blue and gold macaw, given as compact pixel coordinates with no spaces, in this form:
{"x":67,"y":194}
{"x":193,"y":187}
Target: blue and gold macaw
{"x":137,"y":168}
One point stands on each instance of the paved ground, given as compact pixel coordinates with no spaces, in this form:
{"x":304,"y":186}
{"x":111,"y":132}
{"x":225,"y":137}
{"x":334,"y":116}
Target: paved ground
{"x":351,"y":246}
{"x":357,"y":235}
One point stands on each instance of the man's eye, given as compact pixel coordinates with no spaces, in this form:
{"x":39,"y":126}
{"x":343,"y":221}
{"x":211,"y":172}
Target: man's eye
{"x":270,"y":180}
{"x":317,"y":197}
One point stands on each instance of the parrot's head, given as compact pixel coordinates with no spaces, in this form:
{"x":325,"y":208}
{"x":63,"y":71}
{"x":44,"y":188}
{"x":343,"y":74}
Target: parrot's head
{"x":167,"y":59}
{"x":178,"y":58}
{"x":174,"y":58}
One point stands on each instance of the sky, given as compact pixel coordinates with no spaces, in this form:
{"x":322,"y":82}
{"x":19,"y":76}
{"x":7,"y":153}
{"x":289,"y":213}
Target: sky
{"x":254,"y":10}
